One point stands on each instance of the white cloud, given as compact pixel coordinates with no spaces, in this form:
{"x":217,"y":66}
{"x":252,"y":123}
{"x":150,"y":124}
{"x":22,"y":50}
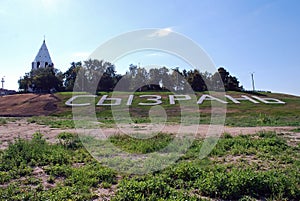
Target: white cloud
{"x":162,"y":32}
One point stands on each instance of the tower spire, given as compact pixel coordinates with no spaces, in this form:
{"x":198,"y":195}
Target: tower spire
{"x":42,"y":59}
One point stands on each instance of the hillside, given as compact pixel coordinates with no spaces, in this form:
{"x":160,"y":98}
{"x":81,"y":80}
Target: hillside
{"x":22,"y":105}
{"x":245,"y":113}
{"x":42,"y":157}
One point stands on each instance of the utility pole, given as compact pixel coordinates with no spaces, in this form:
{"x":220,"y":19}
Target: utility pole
{"x":252,"y":77}
{"x":2,"y":80}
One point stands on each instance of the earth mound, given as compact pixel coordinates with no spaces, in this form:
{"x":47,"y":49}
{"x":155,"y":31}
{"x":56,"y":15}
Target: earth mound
{"x":22,"y":105}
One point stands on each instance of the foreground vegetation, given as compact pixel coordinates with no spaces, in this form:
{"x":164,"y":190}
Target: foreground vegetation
{"x":261,"y":166}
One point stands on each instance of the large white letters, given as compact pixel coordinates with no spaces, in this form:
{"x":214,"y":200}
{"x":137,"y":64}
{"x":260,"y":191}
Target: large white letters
{"x":69,"y":102}
{"x":104,"y":98}
{"x":129,"y":101}
{"x":236,"y":100}
{"x":156,"y":100}
{"x":269,"y":100}
{"x":172,"y":98}
{"x":208,"y":97}
{"x":85,"y":100}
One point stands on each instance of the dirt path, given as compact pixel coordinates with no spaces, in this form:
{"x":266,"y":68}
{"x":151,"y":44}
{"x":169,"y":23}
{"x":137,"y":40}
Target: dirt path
{"x":21,"y":128}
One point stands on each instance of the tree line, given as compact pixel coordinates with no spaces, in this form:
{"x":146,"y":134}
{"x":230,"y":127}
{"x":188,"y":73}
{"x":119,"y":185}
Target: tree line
{"x":98,"y":75}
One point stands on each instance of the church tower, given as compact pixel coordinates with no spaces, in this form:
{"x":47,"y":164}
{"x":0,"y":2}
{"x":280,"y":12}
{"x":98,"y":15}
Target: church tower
{"x":42,"y":59}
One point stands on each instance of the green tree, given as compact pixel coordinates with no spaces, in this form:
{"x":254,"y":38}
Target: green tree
{"x":223,"y":78}
{"x":42,"y":80}
{"x":70,"y":75}
{"x":194,"y":78}
{"x":25,"y":82}
{"x":108,"y":79}
{"x":46,"y":79}
{"x":93,"y":71}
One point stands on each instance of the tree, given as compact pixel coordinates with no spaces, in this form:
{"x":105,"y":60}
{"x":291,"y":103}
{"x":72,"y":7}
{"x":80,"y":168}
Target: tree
{"x":108,"y":79}
{"x":223,"y":78}
{"x":70,"y":75}
{"x":42,"y":80}
{"x":25,"y":82}
{"x":194,"y":78}
{"x":93,"y":72}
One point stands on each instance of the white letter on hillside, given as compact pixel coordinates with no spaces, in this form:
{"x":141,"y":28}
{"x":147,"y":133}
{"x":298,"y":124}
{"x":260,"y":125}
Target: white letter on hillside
{"x":172,"y":98}
{"x":156,"y":99}
{"x":104,"y":98}
{"x":208,"y":97}
{"x":267,"y":100}
{"x":69,"y":102}
{"x":129,"y":101}
{"x":236,"y":100}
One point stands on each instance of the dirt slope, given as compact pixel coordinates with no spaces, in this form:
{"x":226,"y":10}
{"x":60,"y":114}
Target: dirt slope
{"x":20,"y":105}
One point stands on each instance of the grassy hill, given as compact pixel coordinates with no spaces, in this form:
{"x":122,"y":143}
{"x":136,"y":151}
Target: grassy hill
{"x":246,"y":113}
{"x":261,"y":166}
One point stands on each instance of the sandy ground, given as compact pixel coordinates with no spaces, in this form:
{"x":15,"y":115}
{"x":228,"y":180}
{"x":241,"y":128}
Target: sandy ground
{"x":21,"y":128}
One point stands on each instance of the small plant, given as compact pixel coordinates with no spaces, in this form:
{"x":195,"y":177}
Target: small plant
{"x":296,"y":130}
{"x":51,"y":179}
{"x":227,"y":135}
{"x":68,"y":140}
{"x":264,"y":119}
{"x":3,"y":121}
{"x":105,"y":185}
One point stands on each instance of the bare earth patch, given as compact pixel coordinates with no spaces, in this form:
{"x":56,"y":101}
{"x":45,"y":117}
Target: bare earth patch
{"x":22,"y":129}
{"x":20,"y":105}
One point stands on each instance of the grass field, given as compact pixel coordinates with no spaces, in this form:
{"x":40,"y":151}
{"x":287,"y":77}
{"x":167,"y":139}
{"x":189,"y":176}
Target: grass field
{"x":248,"y":167}
{"x":263,"y":166}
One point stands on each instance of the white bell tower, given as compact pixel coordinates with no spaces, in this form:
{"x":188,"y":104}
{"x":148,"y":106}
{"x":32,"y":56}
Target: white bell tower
{"x":42,"y":59}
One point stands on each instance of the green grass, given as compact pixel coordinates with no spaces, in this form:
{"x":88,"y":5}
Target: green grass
{"x":52,"y":121}
{"x":296,"y":130}
{"x":141,"y":146}
{"x":243,"y":114}
{"x":246,"y":167}
{"x":3,"y":121}
{"x":273,"y":173}
{"x":58,"y":162}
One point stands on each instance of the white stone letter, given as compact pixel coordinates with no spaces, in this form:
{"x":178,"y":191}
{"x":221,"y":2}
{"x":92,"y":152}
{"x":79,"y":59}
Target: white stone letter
{"x":208,"y":97}
{"x":156,"y":99}
{"x":236,"y":100}
{"x":269,"y":100}
{"x":69,"y":102}
{"x":104,"y":98}
{"x":173,"y":99}
{"x":129,"y":101}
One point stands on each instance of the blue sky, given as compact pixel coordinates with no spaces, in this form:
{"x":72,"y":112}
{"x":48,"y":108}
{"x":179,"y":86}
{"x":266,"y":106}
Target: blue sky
{"x":243,"y":36}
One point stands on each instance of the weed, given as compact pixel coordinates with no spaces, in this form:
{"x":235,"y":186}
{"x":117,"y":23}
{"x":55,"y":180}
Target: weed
{"x":296,"y":130}
{"x":69,"y":140}
{"x":3,"y":121}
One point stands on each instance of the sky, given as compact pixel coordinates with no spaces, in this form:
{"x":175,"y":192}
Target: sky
{"x":243,"y":36}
